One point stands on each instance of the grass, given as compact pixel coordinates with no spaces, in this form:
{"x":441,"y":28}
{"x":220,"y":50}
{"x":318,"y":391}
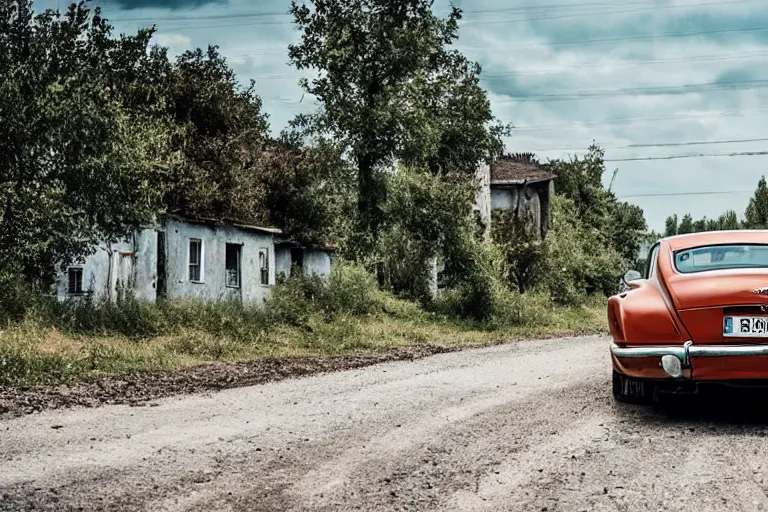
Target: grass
{"x":60,"y":343}
{"x":35,"y":354}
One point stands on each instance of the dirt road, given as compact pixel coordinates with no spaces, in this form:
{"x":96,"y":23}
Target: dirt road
{"x":526,"y":426}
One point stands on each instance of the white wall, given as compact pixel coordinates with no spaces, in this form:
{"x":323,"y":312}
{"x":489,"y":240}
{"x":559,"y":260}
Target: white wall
{"x":503,"y":199}
{"x":283,"y":261}
{"x":213,"y":285}
{"x":317,"y":262}
{"x":483,"y":194}
{"x":101,"y":269}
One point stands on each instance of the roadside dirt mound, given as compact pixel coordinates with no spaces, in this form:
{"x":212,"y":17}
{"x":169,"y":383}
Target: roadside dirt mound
{"x":141,"y":388}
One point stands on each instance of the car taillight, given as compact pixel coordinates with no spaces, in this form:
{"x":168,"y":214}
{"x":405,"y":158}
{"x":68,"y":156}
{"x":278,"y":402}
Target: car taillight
{"x":614,"y":326}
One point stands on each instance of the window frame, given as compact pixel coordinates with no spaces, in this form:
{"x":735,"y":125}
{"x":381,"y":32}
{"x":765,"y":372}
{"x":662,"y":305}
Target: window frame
{"x":716,"y":269}
{"x":70,"y":272}
{"x":653,"y":260}
{"x":239,"y":263}
{"x":265,"y":252}
{"x":200,"y":258}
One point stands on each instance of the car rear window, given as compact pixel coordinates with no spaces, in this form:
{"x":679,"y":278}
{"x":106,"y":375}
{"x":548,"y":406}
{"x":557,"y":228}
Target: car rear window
{"x":719,"y":257}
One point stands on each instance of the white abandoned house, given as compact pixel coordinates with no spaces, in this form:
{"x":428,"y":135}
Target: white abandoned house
{"x":513,"y":182}
{"x":516,"y":182}
{"x":192,"y":258}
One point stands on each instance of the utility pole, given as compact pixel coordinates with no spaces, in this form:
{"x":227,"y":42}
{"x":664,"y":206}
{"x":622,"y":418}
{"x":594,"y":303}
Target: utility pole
{"x":613,"y":179}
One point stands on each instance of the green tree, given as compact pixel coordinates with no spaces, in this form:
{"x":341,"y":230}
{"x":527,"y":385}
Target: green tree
{"x":628,"y":226}
{"x":671,"y":226}
{"x":756,"y":214}
{"x":525,"y":254}
{"x":232,"y":169}
{"x":579,"y":258}
{"x":728,"y":221}
{"x":686,"y":225}
{"x":221,"y":133}
{"x":80,"y":160}
{"x":392,"y":89}
{"x":617,"y":223}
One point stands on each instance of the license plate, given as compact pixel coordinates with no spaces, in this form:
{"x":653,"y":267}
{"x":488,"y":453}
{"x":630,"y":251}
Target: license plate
{"x":745,"y":326}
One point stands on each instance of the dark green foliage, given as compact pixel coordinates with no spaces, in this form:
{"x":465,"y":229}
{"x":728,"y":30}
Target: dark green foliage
{"x":427,"y":218}
{"x":525,"y":254}
{"x":392,"y":88}
{"x":756,"y":215}
{"x":221,"y":133}
{"x":81,"y":157}
{"x":618,"y":224}
{"x":580,"y":260}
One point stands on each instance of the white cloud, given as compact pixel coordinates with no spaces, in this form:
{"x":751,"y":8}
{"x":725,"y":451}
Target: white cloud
{"x":532,"y":49}
{"x":176,"y":43}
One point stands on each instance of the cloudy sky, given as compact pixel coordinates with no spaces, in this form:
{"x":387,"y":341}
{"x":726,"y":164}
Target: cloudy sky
{"x":630,"y":75}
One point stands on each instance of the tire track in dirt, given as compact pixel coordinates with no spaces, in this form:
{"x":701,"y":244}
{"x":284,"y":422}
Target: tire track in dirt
{"x":526,"y":426}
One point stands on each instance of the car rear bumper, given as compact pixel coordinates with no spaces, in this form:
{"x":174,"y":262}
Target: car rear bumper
{"x":699,"y":362}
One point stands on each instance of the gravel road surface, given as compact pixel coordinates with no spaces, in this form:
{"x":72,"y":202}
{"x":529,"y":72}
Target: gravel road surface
{"x":524,"y":426}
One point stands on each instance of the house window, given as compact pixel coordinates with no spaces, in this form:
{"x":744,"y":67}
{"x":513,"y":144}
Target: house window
{"x":233,"y":265}
{"x":75,"y":281}
{"x":195,"y":260}
{"x":264,"y":266}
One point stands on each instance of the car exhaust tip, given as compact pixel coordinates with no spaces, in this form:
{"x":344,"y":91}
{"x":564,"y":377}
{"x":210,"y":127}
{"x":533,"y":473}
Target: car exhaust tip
{"x":672,"y":365}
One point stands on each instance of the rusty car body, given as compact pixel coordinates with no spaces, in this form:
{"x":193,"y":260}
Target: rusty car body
{"x":698,"y":316}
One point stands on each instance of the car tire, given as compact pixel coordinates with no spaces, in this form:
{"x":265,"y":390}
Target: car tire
{"x":631,"y":391}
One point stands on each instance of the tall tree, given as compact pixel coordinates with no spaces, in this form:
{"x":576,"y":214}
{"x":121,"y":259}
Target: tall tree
{"x":686,"y":225}
{"x":79,"y":159}
{"x":392,"y":89}
{"x":231,"y":169}
{"x":221,"y":132}
{"x":671,"y":226}
{"x":728,"y":221}
{"x":580,"y":180}
{"x":756,"y":215}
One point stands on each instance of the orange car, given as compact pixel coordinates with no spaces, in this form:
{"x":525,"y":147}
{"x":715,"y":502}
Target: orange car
{"x":699,"y":316}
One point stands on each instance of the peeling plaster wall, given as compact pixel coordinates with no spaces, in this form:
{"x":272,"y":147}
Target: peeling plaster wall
{"x":213,"y":279}
{"x":317,"y":262}
{"x":103,"y":269}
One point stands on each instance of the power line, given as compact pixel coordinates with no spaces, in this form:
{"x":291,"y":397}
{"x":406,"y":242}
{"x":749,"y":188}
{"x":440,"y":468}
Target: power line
{"x":619,"y":120}
{"x":678,"y":194}
{"x":630,"y":63}
{"x":579,"y":11}
{"x":693,"y":143}
{"x":659,"y":145}
{"x":638,"y":37}
{"x":643,"y":91}
{"x":583,"y":14}
{"x":700,"y":155}
{"x":579,"y":8}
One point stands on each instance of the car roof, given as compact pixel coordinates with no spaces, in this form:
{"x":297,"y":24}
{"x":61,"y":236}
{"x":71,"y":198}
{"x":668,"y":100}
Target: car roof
{"x":744,"y":236}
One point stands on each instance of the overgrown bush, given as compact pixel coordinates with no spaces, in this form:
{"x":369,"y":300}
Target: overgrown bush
{"x":524,"y":253}
{"x":349,"y":290}
{"x":579,"y":261}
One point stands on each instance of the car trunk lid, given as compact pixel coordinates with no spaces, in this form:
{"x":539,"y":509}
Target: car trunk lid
{"x":704,"y":300}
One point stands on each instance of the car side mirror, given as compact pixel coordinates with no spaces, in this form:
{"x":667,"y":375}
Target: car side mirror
{"x":631,"y":275}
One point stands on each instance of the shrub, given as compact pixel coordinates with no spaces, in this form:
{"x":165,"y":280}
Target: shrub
{"x":580,"y":262}
{"x":353,"y":290}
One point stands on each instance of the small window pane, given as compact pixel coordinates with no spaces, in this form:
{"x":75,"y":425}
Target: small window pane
{"x":75,"y":281}
{"x":195,"y":258}
{"x":264,"y":266}
{"x":232,"y":265}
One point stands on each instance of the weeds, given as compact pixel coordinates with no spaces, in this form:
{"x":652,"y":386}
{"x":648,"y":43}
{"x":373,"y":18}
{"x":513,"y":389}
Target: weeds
{"x":47,"y":342}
